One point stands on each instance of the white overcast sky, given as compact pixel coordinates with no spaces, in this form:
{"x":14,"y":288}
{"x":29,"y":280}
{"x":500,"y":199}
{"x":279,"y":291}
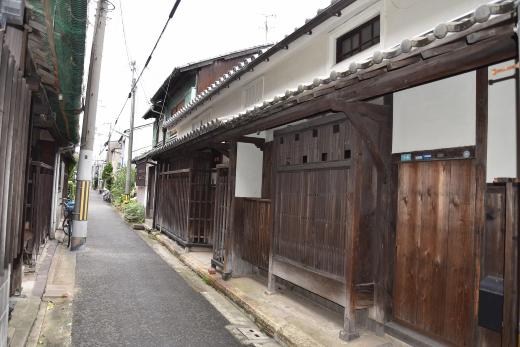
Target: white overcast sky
{"x":200,"y":29}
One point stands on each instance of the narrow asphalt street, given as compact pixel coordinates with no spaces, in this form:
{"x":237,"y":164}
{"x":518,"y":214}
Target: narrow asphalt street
{"x":128,"y":296}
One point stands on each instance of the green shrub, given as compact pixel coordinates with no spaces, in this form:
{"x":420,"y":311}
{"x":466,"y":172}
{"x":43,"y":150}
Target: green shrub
{"x":118,"y":189}
{"x":133,"y":212}
{"x":107,"y":176}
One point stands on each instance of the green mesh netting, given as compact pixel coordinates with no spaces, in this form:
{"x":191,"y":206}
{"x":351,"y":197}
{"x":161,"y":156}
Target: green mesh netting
{"x":69,"y":19}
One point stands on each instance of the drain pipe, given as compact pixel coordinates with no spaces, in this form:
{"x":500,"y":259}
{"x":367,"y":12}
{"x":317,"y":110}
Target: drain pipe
{"x":55,"y":185}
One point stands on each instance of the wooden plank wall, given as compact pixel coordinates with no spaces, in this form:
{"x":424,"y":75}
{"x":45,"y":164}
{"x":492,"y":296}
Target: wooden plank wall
{"x":41,"y":198}
{"x":185,"y":199}
{"x":221,"y":214}
{"x":254,"y":236}
{"x":312,"y":172}
{"x":209,"y":74}
{"x":150,"y":201}
{"x":173,"y":194}
{"x":434,"y":257}
{"x":15,"y":101}
{"x":201,"y":202}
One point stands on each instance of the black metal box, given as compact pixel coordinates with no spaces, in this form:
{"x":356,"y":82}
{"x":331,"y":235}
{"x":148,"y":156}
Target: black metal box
{"x":491,"y":303}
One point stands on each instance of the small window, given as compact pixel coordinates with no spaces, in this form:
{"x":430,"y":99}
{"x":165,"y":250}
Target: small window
{"x":296,"y":137}
{"x":324,"y":156}
{"x":357,"y":40}
{"x":347,"y":154}
{"x":335,"y":128}
{"x":304,"y":159}
{"x":314,"y":132}
{"x":281,"y":140}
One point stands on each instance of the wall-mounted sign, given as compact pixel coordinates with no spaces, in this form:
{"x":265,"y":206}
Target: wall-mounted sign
{"x":406,"y":157}
{"x":503,"y":69}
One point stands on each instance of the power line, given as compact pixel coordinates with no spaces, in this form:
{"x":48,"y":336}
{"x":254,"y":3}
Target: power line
{"x":170,"y":16}
{"x":172,"y":13}
{"x":124,"y":34}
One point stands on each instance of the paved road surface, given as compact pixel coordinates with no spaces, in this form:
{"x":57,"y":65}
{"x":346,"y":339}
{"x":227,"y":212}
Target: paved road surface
{"x":128,"y":296}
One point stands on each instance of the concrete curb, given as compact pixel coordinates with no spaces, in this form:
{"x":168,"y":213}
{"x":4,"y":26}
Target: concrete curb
{"x":284,"y":332}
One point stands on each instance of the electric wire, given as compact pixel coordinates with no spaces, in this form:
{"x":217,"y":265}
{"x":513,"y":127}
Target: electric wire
{"x":172,"y":13}
{"x":170,"y":16}
{"x":124,"y":35}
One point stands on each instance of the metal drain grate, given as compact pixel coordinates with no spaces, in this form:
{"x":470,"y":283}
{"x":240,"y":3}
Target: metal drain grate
{"x":253,"y":334}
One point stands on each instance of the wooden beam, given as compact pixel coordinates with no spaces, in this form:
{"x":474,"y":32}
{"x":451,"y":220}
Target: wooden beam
{"x":257,"y":141}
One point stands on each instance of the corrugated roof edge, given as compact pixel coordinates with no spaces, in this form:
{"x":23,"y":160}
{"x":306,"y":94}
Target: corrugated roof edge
{"x":481,"y":15}
{"x":322,"y":15}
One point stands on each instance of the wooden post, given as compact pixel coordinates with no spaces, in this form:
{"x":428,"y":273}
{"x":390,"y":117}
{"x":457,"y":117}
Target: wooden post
{"x":229,"y":239}
{"x":157,"y":178}
{"x":271,"y":279}
{"x":480,"y":192}
{"x":350,"y":331}
{"x":510,"y":320}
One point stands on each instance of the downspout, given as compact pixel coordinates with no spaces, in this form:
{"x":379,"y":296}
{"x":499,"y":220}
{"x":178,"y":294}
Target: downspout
{"x":57,"y":156}
{"x":55,"y":185}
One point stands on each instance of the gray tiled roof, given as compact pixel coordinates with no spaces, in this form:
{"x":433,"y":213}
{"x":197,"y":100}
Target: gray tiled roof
{"x":378,"y":61}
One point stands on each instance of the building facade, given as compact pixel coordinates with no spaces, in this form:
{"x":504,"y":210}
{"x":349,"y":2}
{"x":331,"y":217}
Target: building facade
{"x":369,"y":158}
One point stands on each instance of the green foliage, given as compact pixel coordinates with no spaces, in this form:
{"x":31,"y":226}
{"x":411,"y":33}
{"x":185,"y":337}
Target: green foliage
{"x":107,"y":176}
{"x":118,"y":189}
{"x":133,"y":212}
{"x":71,"y":186}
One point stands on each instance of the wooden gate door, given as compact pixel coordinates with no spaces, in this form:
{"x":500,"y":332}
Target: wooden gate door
{"x":151,"y":192}
{"x":221,"y":220}
{"x":434,"y":268}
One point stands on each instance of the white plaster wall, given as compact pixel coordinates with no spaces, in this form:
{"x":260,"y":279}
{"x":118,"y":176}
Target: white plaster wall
{"x":141,"y":195}
{"x":440,"y":114}
{"x":249,"y":171}
{"x":408,"y":18}
{"x":313,"y":56}
{"x":501,"y":156}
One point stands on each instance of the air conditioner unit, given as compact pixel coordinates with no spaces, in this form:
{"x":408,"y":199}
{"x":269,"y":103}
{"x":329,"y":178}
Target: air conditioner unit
{"x":12,"y":11}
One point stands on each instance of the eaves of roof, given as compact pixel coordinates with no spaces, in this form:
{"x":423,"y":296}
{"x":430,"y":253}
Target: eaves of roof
{"x":248,"y":64}
{"x":202,"y":63}
{"x":482,"y":24}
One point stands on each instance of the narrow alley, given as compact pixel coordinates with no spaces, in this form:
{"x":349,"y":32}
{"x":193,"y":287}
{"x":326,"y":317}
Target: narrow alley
{"x":128,"y":296}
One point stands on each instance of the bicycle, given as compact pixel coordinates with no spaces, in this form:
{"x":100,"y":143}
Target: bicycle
{"x":68,"y":213}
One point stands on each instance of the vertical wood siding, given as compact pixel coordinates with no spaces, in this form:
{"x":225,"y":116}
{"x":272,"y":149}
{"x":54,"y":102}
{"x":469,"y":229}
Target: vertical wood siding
{"x":255,"y":232}
{"x":435,"y":240}
{"x":185,"y":200}
{"x":221,"y":215}
{"x":312,"y":171}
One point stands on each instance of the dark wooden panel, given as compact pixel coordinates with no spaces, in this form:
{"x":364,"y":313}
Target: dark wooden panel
{"x":140,"y":174}
{"x":209,"y":74}
{"x":408,"y":208}
{"x":267,"y":170}
{"x":254,"y":237}
{"x":221,"y":214}
{"x":150,"y":201}
{"x":185,"y":198}
{"x":433,"y":287}
{"x":460,"y":287}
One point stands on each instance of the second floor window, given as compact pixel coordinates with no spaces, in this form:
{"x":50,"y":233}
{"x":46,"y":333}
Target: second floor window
{"x":357,"y":40}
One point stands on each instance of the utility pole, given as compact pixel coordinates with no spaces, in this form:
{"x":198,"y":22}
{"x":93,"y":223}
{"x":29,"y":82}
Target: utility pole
{"x":130,"y":137}
{"x":86,"y":153}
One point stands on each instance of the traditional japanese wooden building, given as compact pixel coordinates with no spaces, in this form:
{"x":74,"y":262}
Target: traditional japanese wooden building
{"x":41,"y":70}
{"x":389,"y":187}
{"x":183,"y":208}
